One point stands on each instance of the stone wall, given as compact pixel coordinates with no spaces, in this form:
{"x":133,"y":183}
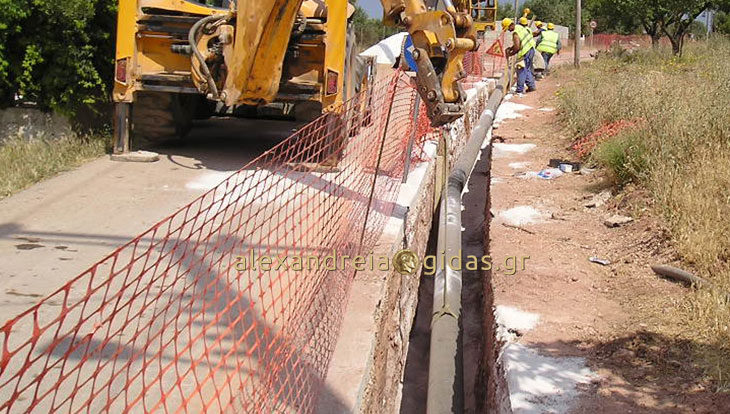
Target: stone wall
{"x":31,"y":124}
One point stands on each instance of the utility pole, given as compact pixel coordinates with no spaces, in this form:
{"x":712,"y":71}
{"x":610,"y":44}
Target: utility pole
{"x":517,"y":10}
{"x":578,"y":23}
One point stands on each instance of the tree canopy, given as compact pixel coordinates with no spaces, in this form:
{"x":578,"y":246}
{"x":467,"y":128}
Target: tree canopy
{"x":671,"y":18}
{"x":722,"y":22}
{"x":58,"y":54}
{"x":560,"y":12}
{"x":505,"y":10}
{"x":679,"y":15}
{"x":369,"y":31}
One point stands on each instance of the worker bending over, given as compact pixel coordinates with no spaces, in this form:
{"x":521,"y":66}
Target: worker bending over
{"x":540,"y":29}
{"x":523,"y":45}
{"x":548,"y":43}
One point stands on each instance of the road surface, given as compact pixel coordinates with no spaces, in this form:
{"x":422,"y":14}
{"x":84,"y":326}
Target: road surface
{"x":56,"y":229}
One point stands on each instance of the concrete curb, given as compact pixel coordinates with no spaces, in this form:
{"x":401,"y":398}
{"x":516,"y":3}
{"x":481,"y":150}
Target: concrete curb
{"x":367,"y":367}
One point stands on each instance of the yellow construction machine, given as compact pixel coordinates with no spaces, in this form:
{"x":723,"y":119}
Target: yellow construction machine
{"x":178,"y":60}
{"x":484,"y":13}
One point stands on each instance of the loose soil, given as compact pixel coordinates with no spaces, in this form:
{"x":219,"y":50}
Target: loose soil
{"x":613,"y":316}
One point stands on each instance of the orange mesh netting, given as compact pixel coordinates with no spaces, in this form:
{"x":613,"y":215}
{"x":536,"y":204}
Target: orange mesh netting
{"x":174,"y":322}
{"x":585,"y":145}
{"x":482,"y":65}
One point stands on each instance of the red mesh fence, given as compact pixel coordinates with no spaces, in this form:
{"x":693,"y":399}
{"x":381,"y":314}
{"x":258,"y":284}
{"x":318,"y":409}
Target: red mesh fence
{"x":191,"y":316}
{"x":603,"y":41}
{"x":483,"y":65}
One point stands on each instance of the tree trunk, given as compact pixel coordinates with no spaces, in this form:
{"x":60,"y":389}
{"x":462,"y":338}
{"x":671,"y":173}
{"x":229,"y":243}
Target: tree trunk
{"x":676,"y":44}
{"x":655,"y":40}
{"x":653,"y":29}
{"x":676,"y":35}
{"x":681,"y":45}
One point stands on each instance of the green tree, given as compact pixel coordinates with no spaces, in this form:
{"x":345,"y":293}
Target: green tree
{"x":649,"y":15}
{"x":12,"y":18}
{"x":57,"y":53}
{"x":369,"y":31}
{"x":722,"y":22}
{"x":505,"y":10}
{"x":722,"y":17}
{"x":560,"y":12}
{"x":679,"y":17}
{"x":671,"y":18}
{"x":613,"y":17}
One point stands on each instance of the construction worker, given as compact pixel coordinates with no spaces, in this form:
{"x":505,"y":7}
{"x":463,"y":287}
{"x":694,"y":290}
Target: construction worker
{"x":538,"y":67}
{"x":523,"y":46}
{"x":539,"y":30}
{"x":548,"y":44}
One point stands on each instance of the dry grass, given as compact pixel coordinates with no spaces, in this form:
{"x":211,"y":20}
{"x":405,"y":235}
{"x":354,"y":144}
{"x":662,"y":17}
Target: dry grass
{"x":24,"y":162}
{"x":681,"y":155}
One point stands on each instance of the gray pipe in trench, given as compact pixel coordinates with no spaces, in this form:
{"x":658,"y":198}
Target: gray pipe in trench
{"x":445,"y":383}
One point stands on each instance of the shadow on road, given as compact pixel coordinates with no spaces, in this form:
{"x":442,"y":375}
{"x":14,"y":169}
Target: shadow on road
{"x":226,"y":144}
{"x":207,"y":323}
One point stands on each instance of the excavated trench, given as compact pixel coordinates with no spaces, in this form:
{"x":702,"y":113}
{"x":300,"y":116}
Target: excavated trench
{"x":482,"y":385}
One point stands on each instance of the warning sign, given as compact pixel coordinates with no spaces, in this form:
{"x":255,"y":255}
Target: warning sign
{"x":496,"y":49}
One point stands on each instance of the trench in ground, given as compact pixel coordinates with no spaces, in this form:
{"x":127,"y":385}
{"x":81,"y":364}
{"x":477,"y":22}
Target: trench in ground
{"x":477,"y":352}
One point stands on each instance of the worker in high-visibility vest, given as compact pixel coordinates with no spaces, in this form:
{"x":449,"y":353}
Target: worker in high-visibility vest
{"x":539,"y":30}
{"x":548,"y":43}
{"x":523,"y":45}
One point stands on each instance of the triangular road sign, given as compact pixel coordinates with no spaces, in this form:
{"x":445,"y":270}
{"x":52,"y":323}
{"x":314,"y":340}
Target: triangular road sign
{"x":496,"y":49}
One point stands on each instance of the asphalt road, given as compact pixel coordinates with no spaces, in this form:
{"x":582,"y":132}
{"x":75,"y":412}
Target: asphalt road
{"x":58,"y":228}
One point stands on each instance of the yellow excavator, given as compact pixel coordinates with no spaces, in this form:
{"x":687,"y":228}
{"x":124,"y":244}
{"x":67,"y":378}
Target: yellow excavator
{"x":484,"y":13}
{"x":180,"y":60}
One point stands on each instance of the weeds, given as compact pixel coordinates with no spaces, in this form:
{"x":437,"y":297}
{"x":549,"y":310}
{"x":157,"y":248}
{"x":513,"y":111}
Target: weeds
{"x":624,"y":156}
{"x":25,"y":162}
{"x":681,"y":154}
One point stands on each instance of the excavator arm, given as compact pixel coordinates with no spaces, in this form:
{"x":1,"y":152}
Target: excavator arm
{"x":298,"y":55}
{"x":441,"y":39}
{"x":254,"y":35}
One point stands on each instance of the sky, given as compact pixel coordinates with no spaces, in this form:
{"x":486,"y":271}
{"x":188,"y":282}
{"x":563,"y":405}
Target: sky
{"x":373,"y":7}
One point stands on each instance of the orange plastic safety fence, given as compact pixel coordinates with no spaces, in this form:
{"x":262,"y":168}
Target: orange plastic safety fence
{"x":607,"y":41}
{"x":480,"y":64}
{"x":234,"y":302}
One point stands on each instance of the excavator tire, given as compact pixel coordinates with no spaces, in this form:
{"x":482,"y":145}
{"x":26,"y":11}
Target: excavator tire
{"x":160,"y":116}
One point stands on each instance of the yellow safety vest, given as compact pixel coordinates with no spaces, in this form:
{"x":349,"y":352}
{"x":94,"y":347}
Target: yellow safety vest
{"x":549,"y":43}
{"x":528,"y":42}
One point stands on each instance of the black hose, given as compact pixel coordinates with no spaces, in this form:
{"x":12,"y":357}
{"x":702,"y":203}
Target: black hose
{"x":686,"y":277}
{"x":192,"y":39}
{"x":681,"y":276}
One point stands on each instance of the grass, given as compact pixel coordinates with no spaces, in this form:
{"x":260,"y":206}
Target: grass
{"x":680,"y":153}
{"x":625,"y":156}
{"x":26,"y":162}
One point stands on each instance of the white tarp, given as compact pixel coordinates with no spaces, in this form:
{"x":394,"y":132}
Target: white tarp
{"x":386,"y":51}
